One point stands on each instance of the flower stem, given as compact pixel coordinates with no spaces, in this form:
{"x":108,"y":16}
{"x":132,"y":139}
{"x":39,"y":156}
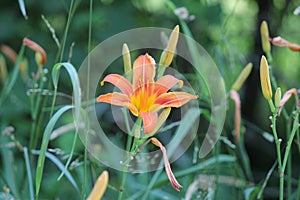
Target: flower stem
{"x":277,"y":143}
{"x":131,"y":150}
{"x":290,"y":140}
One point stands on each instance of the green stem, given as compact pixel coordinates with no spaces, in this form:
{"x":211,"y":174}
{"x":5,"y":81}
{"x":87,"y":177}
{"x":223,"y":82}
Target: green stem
{"x":88,"y":95}
{"x":291,"y":138}
{"x":277,"y":143}
{"x":289,"y":163}
{"x":133,"y":150}
{"x":35,"y":136}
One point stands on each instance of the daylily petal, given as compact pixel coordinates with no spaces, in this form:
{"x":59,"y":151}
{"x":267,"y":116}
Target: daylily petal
{"x":119,"y":81}
{"x":167,"y":82}
{"x":149,"y":120}
{"x":143,"y":71}
{"x":174,"y":99}
{"x":118,"y":99}
{"x":168,"y":169}
{"x":161,"y":120}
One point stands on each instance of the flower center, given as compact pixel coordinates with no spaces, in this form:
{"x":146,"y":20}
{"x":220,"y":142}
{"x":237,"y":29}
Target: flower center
{"x":143,"y":98}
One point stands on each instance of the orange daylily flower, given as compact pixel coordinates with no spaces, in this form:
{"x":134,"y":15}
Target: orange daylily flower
{"x":145,"y":97}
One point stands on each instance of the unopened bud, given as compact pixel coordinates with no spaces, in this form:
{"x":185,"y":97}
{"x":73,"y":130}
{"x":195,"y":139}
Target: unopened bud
{"x":37,"y":48}
{"x":9,"y":52}
{"x":265,"y":78}
{"x":127,"y":61}
{"x":277,"y":97}
{"x":3,"y":69}
{"x":167,"y":55}
{"x":264,"y":32}
{"x":242,"y":77}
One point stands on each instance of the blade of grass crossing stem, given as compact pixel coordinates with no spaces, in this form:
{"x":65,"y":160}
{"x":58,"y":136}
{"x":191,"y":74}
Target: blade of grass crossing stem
{"x":10,"y":82}
{"x":60,"y":166}
{"x":29,"y":175}
{"x":75,"y":84}
{"x":23,"y":9}
{"x":45,"y":141}
{"x":70,"y":156}
{"x":183,"y":129}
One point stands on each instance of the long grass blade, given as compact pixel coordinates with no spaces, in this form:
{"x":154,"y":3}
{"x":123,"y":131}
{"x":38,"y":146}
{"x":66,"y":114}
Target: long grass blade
{"x":75,"y":83}
{"x":29,"y":175}
{"x":60,"y":166}
{"x":23,"y":8}
{"x":45,"y":141}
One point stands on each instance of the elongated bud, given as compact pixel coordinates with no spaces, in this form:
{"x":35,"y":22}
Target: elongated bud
{"x":127,"y":61}
{"x":242,"y":77}
{"x":281,"y":42}
{"x":237,"y":118}
{"x":167,"y":55}
{"x":9,"y":52}
{"x":265,"y":78}
{"x":37,"y":48}
{"x":99,"y":187}
{"x":264,"y":32}
{"x":287,"y":95}
{"x":277,"y":97}
{"x":3,"y":69}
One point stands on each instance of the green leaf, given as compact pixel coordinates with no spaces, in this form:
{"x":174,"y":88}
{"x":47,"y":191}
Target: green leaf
{"x":29,"y":176}
{"x":75,"y":83}
{"x":23,"y":9}
{"x":45,"y":141}
{"x":59,"y":164}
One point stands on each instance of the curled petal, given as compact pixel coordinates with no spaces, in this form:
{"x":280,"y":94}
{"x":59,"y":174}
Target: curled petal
{"x":119,"y":81}
{"x":286,"y":97}
{"x":143,"y":71}
{"x":168,"y":169}
{"x":167,"y":82}
{"x":236,"y":98}
{"x":150,"y":121}
{"x":174,"y":99}
{"x":279,"y":41}
{"x":99,"y":187}
{"x":118,"y":99}
{"x":37,"y":48}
